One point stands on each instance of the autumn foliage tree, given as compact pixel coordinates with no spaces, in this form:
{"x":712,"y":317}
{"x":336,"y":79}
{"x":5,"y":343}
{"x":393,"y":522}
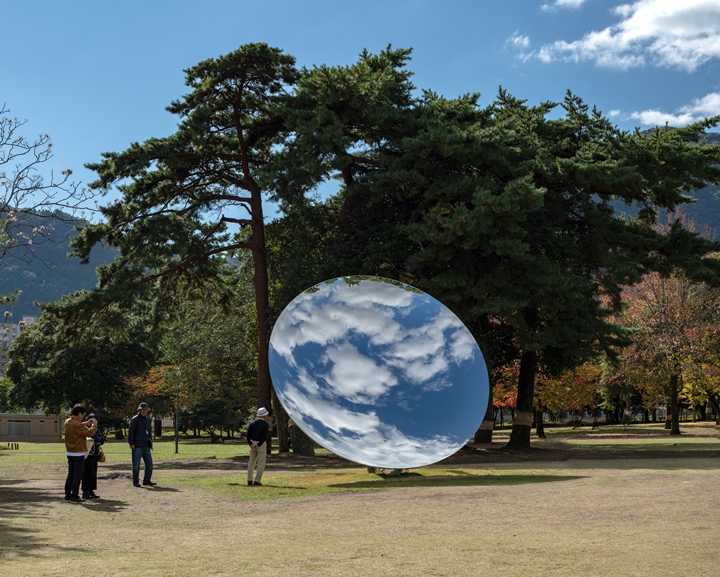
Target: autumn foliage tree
{"x":670,"y":317}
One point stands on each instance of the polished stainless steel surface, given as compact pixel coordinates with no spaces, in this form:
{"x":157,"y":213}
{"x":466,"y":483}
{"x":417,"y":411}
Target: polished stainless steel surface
{"x":378,"y":372}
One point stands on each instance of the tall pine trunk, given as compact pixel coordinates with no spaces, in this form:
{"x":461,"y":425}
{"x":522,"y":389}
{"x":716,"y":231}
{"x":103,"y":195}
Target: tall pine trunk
{"x":523,"y":417}
{"x":674,"y":404}
{"x":485,"y":432}
{"x":262,"y":308}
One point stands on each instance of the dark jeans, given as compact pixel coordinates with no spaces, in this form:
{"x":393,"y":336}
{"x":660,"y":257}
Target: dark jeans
{"x":144,"y":453}
{"x":89,"y":479}
{"x":74,"y":476}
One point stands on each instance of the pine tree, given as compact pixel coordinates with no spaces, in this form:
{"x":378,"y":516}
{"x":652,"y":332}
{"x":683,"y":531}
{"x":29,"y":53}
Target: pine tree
{"x":197,"y":193}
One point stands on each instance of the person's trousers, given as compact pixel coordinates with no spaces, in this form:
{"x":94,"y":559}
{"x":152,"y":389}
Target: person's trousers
{"x":89,"y":478}
{"x":144,"y":453}
{"x":74,"y":476}
{"x":256,"y":461}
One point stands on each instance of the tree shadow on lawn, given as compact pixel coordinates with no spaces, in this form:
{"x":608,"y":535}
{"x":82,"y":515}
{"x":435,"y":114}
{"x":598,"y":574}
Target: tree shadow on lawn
{"x":457,"y":478}
{"x":18,"y":502}
{"x":294,"y":463}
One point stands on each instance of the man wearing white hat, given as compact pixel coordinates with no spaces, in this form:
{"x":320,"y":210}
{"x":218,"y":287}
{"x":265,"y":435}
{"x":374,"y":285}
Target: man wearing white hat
{"x":258,"y":436}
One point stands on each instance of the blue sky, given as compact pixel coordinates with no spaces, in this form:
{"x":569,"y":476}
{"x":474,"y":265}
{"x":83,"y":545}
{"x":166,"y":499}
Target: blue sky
{"x":98,"y":75}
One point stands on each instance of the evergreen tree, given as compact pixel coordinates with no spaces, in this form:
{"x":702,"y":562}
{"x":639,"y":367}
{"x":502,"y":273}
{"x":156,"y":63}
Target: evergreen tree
{"x":196,"y":194}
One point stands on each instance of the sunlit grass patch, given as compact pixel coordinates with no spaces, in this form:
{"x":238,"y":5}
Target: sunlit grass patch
{"x":278,"y":485}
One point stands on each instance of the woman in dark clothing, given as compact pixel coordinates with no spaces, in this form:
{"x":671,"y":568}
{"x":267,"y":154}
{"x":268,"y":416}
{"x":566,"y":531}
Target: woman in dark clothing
{"x":89,"y":481}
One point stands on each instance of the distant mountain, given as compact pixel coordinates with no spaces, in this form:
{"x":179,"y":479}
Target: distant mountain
{"x":44,"y":271}
{"x":705,"y":211}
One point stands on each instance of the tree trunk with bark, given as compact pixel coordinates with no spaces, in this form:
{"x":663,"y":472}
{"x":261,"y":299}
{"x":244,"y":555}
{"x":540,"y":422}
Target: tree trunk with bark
{"x":301,"y":443}
{"x":485,"y":432}
{"x":281,"y":421}
{"x":262,"y":308}
{"x":674,"y":405}
{"x":715,"y":402}
{"x":539,"y":424}
{"x":522,"y":419}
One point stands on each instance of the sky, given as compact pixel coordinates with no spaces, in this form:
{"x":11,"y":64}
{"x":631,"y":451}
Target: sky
{"x":97,"y":76}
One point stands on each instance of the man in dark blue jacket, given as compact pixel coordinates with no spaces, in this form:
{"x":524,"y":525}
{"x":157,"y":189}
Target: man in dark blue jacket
{"x":140,"y":439}
{"x":258,"y":436}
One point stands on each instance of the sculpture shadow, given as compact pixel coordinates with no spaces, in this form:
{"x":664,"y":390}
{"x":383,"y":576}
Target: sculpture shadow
{"x":158,"y":489}
{"x":457,"y":478}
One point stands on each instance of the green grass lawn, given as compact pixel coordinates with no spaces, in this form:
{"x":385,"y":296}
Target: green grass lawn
{"x":311,"y":483}
{"x":119,"y":452}
{"x":604,"y":439}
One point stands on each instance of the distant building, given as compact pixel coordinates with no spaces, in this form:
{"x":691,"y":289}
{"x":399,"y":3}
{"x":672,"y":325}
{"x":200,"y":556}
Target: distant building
{"x":40,"y":428}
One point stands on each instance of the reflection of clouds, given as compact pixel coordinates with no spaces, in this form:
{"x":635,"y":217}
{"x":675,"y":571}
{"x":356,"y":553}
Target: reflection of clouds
{"x":424,"y":355}
{"x":352,"y":353}
{"x":370,"y":309}
{"x":350,"y":371}
{"x":332,"y":415}
{"x":335,"y":310}
{"x":462,"y":346}
{"x":361,"y":436}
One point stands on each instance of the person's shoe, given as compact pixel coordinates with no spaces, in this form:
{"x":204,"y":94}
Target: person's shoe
{"x":149,"y":483}
{"x":91,"y":495}
{"x":87,"y":496}
{"x":257,"y":484}
{"x":67,"y":497}
{"x":136,"y":483}
{"x":250,"y":483}
{"x":74,"y":499}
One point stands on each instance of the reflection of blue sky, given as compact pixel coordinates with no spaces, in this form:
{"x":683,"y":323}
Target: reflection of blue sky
{"x":378,"y":373}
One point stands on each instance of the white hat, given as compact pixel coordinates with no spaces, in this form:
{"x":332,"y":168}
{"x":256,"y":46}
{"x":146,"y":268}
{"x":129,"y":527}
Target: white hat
{"x":262,"y":412}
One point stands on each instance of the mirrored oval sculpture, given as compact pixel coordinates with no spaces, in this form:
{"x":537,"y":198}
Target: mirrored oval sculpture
{"x":378,"y":372}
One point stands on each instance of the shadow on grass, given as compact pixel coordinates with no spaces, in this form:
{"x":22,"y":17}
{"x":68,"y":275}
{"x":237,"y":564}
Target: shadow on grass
{"x":266,"y":486}
{"x":159,"y":489}
{"x":17,"y":503}
{"x":105,"y":505}
{"x":456,"y":479}
{"x":237,"y":463}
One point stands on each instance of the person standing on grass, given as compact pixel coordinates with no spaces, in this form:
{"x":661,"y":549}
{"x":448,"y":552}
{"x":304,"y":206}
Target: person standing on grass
{"x":76,"y":433}
{"x":89,"y":479}
{"x":258,"y":436}
{"x":140,"y":440}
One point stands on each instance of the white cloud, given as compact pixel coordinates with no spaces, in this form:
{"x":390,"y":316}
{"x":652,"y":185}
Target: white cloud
{"x":708,"y":105}
{"x":355,"y":376}
{"x":558,"y":4}
{"x":518,"y":41}
{"x":679,"y":34}
{"x":623,"y":10}
{"x":614,"y":113}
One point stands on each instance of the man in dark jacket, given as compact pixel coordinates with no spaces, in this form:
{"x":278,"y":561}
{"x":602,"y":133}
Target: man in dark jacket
{"x":140,"y":439}
{"x":258,"y":436}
